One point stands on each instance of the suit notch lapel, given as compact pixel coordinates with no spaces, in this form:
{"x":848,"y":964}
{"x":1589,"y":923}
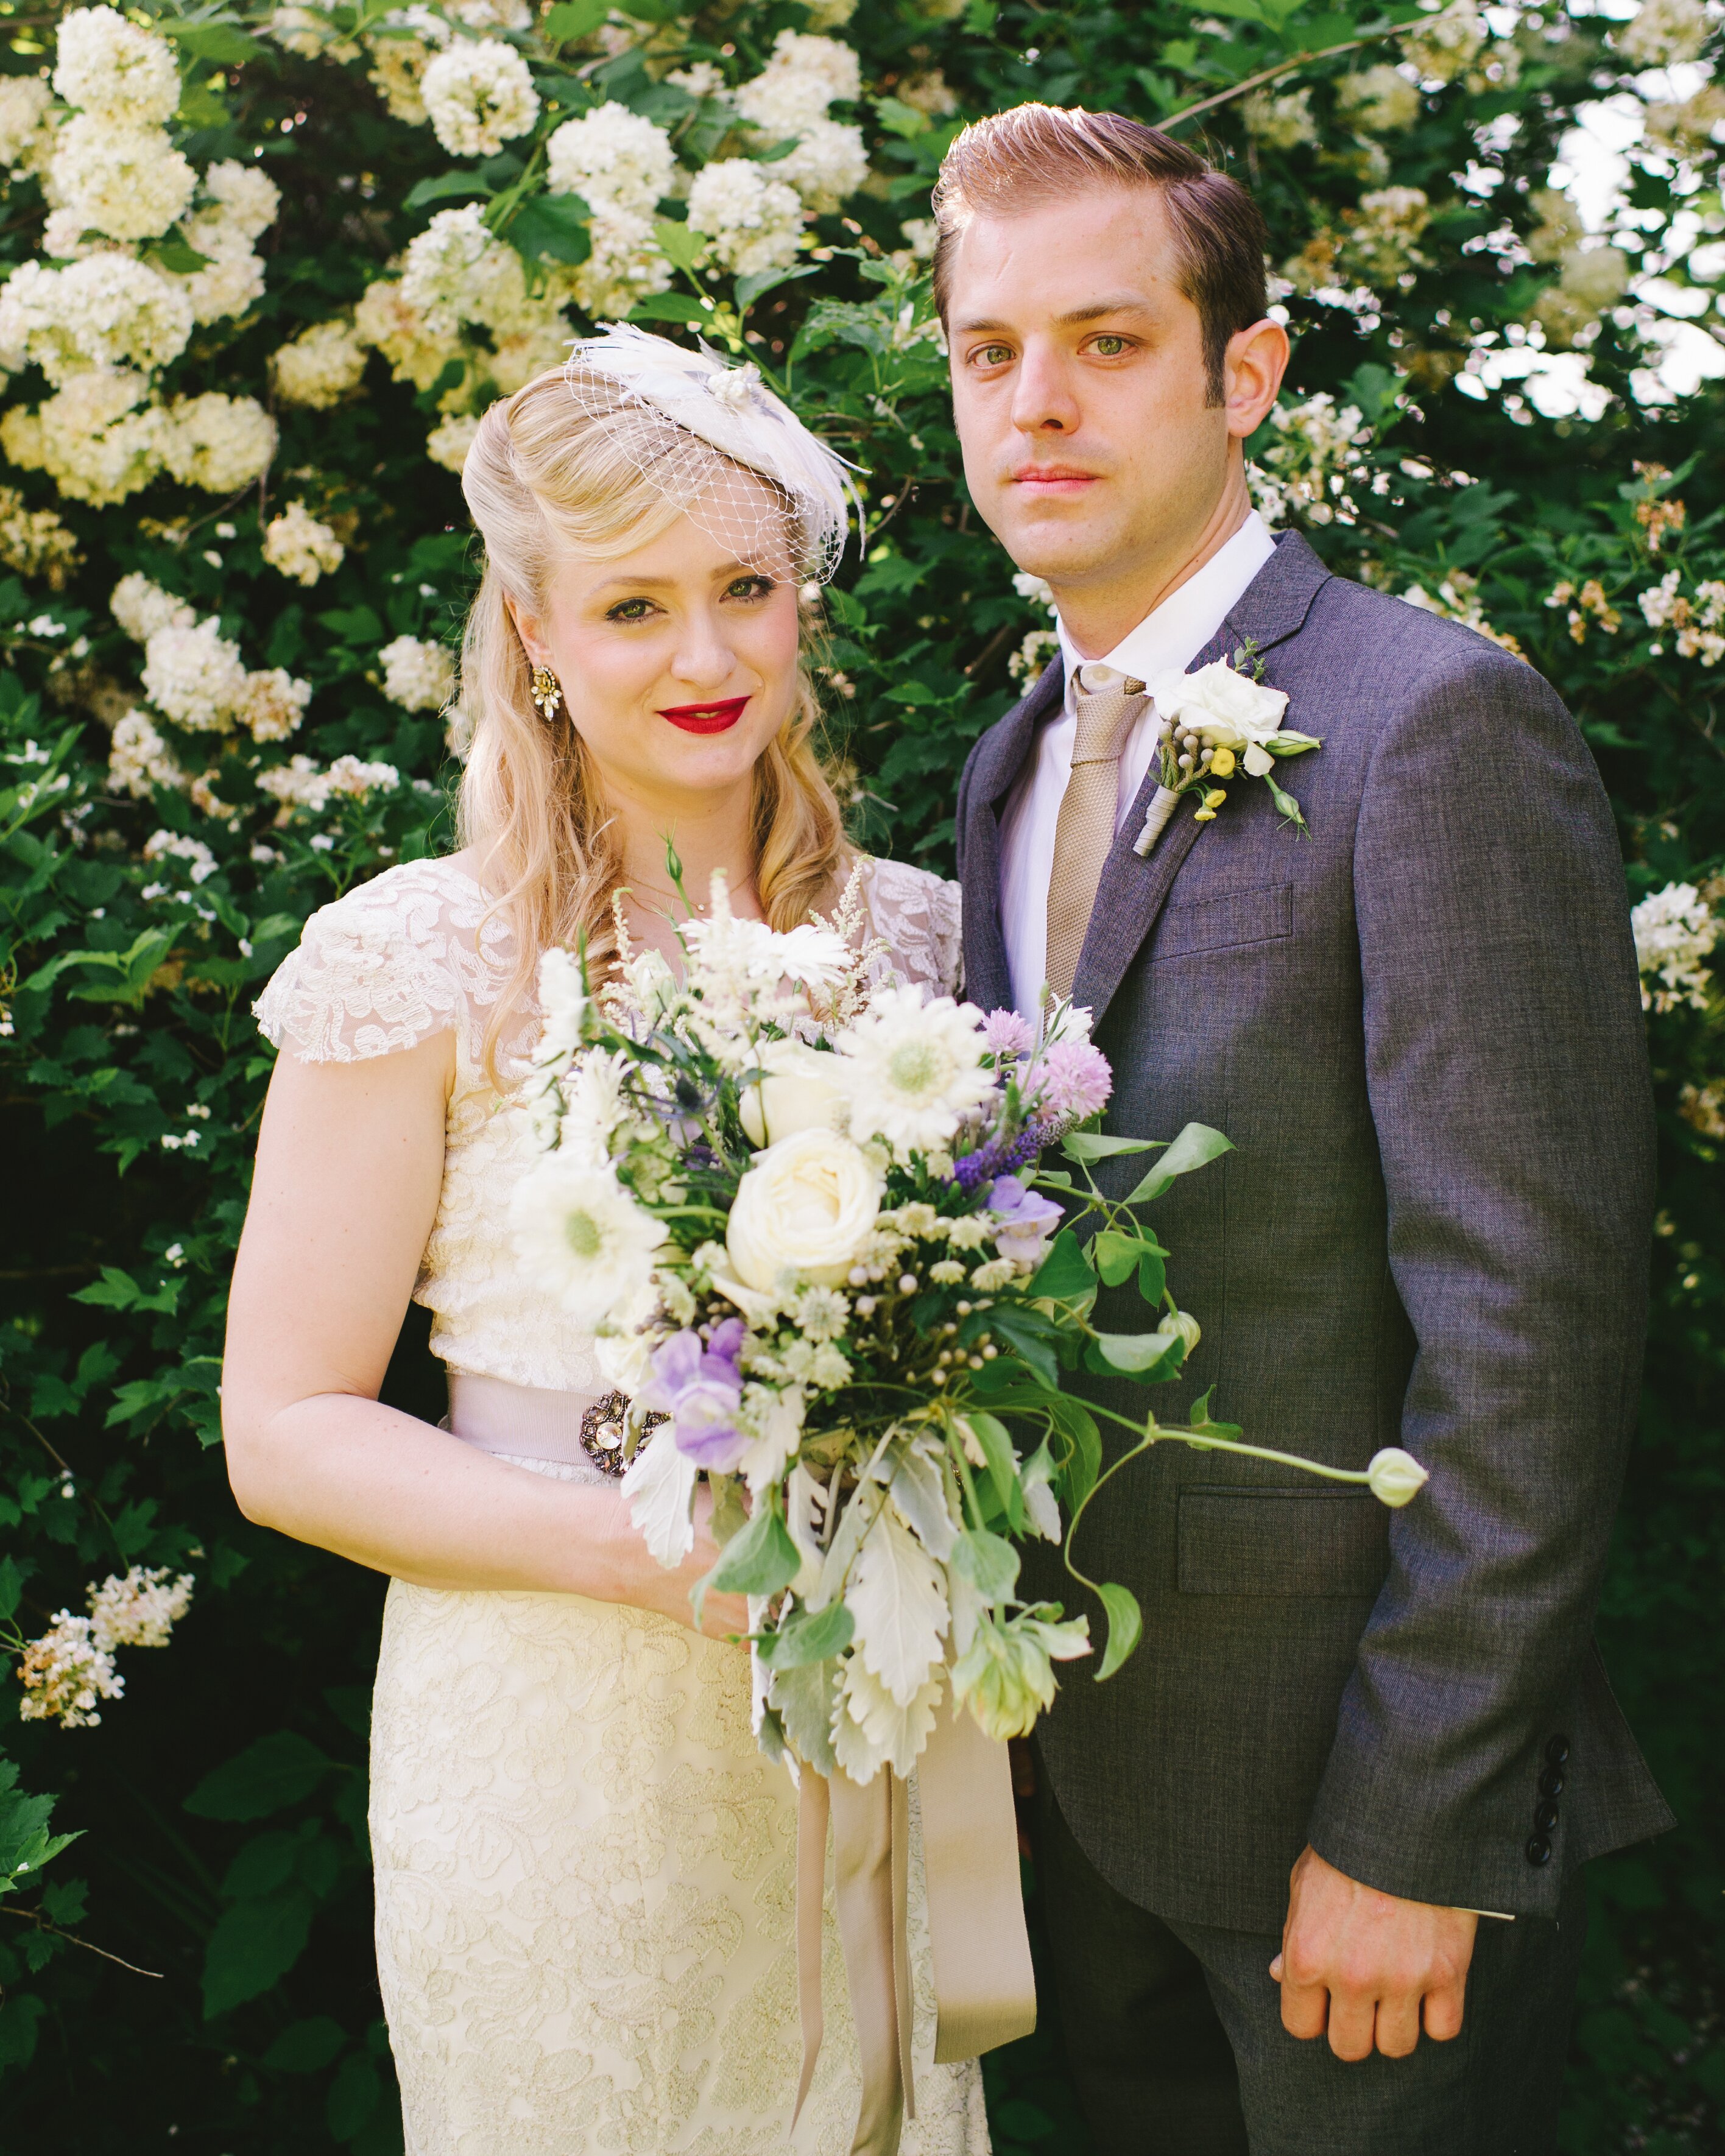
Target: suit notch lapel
{"x":987,"y":977}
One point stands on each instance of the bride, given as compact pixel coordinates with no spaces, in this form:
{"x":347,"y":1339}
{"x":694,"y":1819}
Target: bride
{"x":584,"y":1867}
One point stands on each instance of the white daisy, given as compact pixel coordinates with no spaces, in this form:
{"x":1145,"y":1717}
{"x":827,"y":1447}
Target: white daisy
{"x":914,"y":1069}
{"x":584,"y":1238}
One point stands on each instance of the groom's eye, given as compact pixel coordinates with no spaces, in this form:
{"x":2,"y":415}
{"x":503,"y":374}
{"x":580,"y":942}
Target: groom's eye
{"x":1108,"y":347}
{"x":991,"y":355}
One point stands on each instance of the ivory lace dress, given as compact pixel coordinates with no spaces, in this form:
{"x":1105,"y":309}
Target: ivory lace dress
{"x":584,"y":1866}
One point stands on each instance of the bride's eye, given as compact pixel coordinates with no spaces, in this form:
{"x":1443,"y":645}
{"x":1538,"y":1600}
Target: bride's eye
{"x":629,"y":610}
{"x":751,"y":588}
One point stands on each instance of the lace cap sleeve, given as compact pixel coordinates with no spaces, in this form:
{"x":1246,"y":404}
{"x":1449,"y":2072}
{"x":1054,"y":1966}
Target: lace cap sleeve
{"x":384,"y":968}
{"x":917,"y":912}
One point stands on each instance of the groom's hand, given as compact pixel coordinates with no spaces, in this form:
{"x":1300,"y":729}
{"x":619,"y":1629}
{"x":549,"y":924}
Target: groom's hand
{"x":1359,"y":1965}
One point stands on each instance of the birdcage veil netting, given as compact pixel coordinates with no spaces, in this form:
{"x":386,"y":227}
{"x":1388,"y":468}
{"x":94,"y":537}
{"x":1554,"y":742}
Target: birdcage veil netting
{"x":694,"y":427}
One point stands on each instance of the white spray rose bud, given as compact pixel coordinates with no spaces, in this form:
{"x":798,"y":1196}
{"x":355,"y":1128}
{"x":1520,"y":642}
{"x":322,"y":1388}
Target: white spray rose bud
{"x":1393,"y":1476}
{"x":1187,"y":1326}
{"x":807,"y":1206}
{"x":795,"y":1093}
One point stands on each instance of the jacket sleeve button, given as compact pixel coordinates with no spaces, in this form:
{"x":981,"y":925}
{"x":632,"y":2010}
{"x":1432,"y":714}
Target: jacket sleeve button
{"x":1545,"y":1816}
{"x":1538,"y":1850}
{"x":1557,"y":1751}
{"x":1551,"y":1783}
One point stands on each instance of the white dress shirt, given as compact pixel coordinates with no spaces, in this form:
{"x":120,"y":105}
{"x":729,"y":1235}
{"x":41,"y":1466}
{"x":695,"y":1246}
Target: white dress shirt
{"x":1170,"y":639}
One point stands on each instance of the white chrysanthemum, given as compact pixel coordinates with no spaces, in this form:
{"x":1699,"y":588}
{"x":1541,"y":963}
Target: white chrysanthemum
{"x":913,"y":1069}
{"x":1662,"y":32}
{"x":1674,"y":931}
{"x":64,"y":1673}
{"x":141,"y":607}
{"x":319,"y":367}
{"x":613,"y":156}
{"x":418,"y":676}
{"x":416,"y":353}
{"x":90,"y":438}
{"x":626,"y":264}
{"x":139,"y":760}
{"x":24,"y":102}
{"x":217,"y":442}
{"x":478,"y":95}
{"x":828,"y":166}
{"x":753,"y":221}
{"x":458,"y":271}
{"x":1379,"y":100}
{"x":201,"y":864}
{"x":140,"y":1611}
{"x":104,"y":311}
{"x":195,"y":675}
{"x":129,"y":182}
{"x":583,"y":1238}
{"x":273,"y":704}
{"x":115,"y":69}
{"x":301,"y":547}
{"x":448,"y":441}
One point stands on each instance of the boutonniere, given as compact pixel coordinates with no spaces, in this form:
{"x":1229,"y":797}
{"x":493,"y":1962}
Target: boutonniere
{"x":1218,"y":722}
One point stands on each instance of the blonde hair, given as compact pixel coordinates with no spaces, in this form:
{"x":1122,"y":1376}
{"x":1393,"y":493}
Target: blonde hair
{"x":546,"y":476}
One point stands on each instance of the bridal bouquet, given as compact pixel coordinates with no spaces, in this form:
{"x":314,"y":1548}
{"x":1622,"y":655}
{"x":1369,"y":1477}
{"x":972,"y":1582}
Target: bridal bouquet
{"x":799,"y":1205}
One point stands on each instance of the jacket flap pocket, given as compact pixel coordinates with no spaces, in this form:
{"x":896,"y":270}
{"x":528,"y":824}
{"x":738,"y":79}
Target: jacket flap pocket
{"x":1228,"y":917}
{"x":1281,"y":1542}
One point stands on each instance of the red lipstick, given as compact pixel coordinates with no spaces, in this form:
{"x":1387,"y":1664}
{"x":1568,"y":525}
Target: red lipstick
{"x":705,"y":718}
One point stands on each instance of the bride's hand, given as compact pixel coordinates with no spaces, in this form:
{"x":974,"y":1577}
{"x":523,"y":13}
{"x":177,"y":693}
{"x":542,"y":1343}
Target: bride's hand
{"x":650,"y":1585}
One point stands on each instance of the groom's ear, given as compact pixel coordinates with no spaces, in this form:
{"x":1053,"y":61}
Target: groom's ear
{"x":1252,"y":369}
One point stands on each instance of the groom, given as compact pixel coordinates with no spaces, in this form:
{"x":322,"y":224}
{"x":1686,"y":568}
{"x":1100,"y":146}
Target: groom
{"x":1311,"y":1863}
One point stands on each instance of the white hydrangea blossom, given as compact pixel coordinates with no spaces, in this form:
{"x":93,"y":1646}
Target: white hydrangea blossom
{"x":140,"y":1611}
{"x":402,"y":47}
{"x":835,"y":65}
{"x":1662,"y":32}
{"x":319,"y":367}
{"x":626,"y":264}
{"x":114,"y":69}
{"x":478,"y":95}
{"x":273,"y":704}
{"x":1279,"y":121}
{"x":828,"y":166}
{"x":1674,"y":931}
{"x":301,"y":547}
{"x":700,"y":79}
{"x":195,"y":675}
{"x":129,"y":182}
{"x":418,"y":676}
{"x":104,"y":311}
{"x":90,"y":437}
{"x":246,"y":200}
{"x":64,"y":1673}
{"x":141,"y":607}
{"x":139,"y":760}
{"x":1699,"y":623}
{"x":458,"y":271}
{"x":217,"y":442}
{"x":1448,"y":45}
{"x":614,"y":156}
{"x":201,"y":864}
{"x":24,"y":105}
{"x":415,"y":351}
{"x":299,"y":783}
{"x":309,"y":33}
{"x":1379,"y":100}
{"x":754,"y":222}
{"x":1319,"y":452}
{"x":451,"y":438}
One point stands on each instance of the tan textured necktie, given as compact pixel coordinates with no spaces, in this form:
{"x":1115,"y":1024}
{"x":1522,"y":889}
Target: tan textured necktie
{"x":1084,"y":830}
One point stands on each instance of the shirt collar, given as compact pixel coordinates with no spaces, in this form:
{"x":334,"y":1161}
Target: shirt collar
{"x":1171,"y":637}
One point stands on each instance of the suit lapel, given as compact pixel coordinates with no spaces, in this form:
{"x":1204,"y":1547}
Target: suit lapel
{"x":1133,"y":892}
{"x":1002,"y":755}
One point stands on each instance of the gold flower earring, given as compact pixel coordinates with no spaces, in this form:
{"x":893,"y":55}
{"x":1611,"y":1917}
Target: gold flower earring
{"x":548,"y":692}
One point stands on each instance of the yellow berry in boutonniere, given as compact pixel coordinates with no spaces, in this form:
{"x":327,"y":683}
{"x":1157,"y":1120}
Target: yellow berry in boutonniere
{"x":1203,"y":815}
{"x":1222,"y":763}
{"x":1214,"y":799}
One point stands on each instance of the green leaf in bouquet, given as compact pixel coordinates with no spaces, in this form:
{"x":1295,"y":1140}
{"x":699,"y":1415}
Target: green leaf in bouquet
{"x":1002,"y":1469}
{"x":809,"y":1636}
{"x":1152,"y":1273}
{"x":759,"y":1561}
{"x":988,"y":1562}
{"x":1115,"y":1255}
{"x":1149,"y":1356}
{"x":919,"y":1490}
{"x":1029,"y":1337}
{"x":1125,"y":1626}
{"x":1094,"y":1145}
{"x":1197,"y":1145}
{"x":1083,"y":1461}
{"x":1063,"y":1275}
{"x":730,"y":1515}
{"x":805,"y":1698}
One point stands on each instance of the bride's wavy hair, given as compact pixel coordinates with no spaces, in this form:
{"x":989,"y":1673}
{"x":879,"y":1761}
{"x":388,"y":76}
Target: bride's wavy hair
{"x":546,"y":476}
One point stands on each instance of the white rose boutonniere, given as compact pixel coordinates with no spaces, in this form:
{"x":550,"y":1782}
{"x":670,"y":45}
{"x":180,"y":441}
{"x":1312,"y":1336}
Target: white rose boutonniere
{"x":1219,"y":721}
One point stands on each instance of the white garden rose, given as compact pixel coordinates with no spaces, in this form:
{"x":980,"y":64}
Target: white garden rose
{"x":799,"y":1091}
{"x":807,"y":1206}
{"x":1228,"y":710}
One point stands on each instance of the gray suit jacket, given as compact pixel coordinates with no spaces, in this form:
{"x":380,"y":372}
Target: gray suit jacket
{"x":1420,"y":1027}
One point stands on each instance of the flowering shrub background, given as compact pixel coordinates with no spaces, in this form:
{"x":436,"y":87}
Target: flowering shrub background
{"x":262,"y":271}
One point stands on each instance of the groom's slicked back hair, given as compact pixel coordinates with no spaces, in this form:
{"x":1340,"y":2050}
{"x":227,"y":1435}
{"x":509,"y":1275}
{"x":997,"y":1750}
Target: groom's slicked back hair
{"x":1036,"y":154}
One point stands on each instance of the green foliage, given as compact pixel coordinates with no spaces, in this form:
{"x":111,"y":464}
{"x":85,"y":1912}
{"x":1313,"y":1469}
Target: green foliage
{"x":222,"y":1798}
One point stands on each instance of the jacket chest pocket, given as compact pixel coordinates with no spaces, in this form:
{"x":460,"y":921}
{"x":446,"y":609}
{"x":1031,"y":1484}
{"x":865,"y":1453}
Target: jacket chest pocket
{"x":1228,"y":920}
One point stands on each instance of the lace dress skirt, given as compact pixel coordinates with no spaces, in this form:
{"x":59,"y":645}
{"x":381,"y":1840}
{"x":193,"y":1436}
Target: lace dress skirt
{"x":584,"y":1895}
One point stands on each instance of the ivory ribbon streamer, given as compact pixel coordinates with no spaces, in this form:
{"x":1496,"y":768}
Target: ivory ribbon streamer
{"x":1155,"y":817}
{"x":985,"y":1992}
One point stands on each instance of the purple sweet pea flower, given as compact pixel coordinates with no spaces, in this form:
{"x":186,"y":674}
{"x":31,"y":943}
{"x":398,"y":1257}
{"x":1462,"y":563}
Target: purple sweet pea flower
{"x":699,"y":1386}
{"x":1027,"y":1220}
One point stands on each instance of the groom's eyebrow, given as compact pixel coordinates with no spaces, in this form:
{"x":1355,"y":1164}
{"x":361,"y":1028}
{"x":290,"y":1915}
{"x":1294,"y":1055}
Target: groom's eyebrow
{"x":1115,"y":303}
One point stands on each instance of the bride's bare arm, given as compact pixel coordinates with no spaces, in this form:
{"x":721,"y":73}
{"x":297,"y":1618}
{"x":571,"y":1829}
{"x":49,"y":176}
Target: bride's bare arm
{"x":350,"y":1165}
